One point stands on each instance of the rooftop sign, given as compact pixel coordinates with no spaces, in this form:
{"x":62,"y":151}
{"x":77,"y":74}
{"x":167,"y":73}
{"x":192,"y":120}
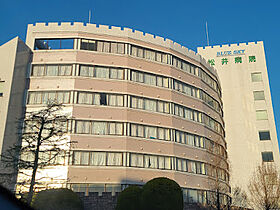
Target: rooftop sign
{"x":230,"y":52}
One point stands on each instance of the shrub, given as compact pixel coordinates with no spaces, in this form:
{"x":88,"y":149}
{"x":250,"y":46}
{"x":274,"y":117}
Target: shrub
{"x":129,"y":199}
{"x":162,"y":194}
{"x":57,"y":199}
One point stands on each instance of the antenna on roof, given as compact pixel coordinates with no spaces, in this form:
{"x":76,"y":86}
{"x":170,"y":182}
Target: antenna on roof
{"x":207,"y":34}
{"x":89,"y":16}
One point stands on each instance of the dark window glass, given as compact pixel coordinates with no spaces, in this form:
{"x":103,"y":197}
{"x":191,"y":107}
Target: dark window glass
{"x":53,"y":44}
{"x":264,"y":135}
{"x":103,"y":99}
{"x":267,"y":156}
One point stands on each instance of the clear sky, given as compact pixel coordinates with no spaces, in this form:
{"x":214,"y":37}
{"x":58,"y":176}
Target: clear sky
{"x":183,"y":21}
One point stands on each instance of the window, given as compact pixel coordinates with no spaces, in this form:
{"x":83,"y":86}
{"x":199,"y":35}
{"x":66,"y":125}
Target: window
{"x":88,"y":45}
{"x":256,"y":77}
{"x":267,"y":157}
{"x":53,"y":44}
{"x":261,"y":115}
{"x":264,"y":135}
{"x":259,"y":95}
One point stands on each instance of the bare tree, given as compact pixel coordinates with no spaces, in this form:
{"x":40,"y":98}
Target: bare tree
{"x":43,"y":143}
{"x":264,"y":187}
{"x":218,"y":181}
{"x":239,"y":198}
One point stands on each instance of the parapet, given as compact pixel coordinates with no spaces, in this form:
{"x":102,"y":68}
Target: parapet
{"x":243,"y":44}
{"x":115,"y":31}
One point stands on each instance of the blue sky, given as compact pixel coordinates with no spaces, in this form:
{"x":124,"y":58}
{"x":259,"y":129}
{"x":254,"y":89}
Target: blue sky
{"x":182,"y":21}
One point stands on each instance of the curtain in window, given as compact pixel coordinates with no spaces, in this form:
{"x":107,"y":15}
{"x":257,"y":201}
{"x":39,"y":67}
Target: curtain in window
{"x":184,"y":165}
{"x":133,"y":130}
{"x":77,"y":158}
{"x":114,"y":159}
{"x":100,"y":128}
{"x":134,"y":102}
{"x":119,"y":128}
{"x":101,"y":72}
{"x":158,"y":56}
{"x":106,"y":47}
{"x":112,"y":100}
{"x":51,"y":70}
{"x":191,"y":140}
{"x":112,"y":128}
{"x":167,"y":163}
{"x":150,"y":105}
{"x":82,"y":127}
{"x":140,"y":53}
{"x":96,"y":100}
{"x":133,"y":51}
{"x":159,"y":81}
{"x":114,"y":73}
{"x":32,"y":98}
{"x":52,"y":96}
{"x":99,"y":46}
{"x":120,"y":48}
{"x":136,"y":160}
{"x":65,"y":70}
{"x":140,"y":104}
{"x":161,"y":132}
{"x":114,"y":47}
{"x":84,"y":158}
{"x":150,"y":132}
{"x":98,"y":158}
{"x":193,"y":167}
{"x":150,"y":79}
{"x":38,"y":70}
{"x":134,"y":76}
{"x":179,"y":164}
{"x":119,"y":100}
{"x":161,"y":164}
{"x":150,"y":161}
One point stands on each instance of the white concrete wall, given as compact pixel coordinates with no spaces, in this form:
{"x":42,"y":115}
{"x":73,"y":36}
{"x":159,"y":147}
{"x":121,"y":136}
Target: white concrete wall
{"x":241,"y":126}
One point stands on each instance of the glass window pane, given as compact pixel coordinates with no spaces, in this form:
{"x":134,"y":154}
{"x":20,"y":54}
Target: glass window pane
{"x":267,"y":156}
{"x":150,"y":132}
{"x":114,"y":159}
{"x":261,"y":115}
{"x":77,"y":158}
{"x":259,"y":95}
{"x":136,"y":160}
{"x":256,"y":77}
{"x":51,"y":70}
{"x":264,"y":135}
{"x":84,"y":158}
{"x":99,"y":128}
{"x":101,"y":72}
{"x":98,"y":159}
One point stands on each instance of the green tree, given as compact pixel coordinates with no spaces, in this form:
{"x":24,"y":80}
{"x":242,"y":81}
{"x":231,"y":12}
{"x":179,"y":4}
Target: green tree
{"x":57,"y":199}
{"x":162,"y":194}
{"x":129,"y":199}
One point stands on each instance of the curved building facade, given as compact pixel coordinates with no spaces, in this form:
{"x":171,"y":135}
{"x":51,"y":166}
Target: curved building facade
{"x":141,"y":107}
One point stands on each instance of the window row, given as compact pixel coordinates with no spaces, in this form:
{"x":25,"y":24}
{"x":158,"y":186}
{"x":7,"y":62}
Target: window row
{"x":197,"y":93}
{"x":101,"y":72}
{"x":141,"y":52}
{"x":102,"y":46}
{"x":189,"y":195}
{"x":51,"y":70}
{"x":148,"y":132}
{"x":119,"y":73}
{"x":46,"y":157}
{"x":88,"y":158}
{"x":46,"y":96}
{"x":118,"y":100}
{"x":165,"y":58}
